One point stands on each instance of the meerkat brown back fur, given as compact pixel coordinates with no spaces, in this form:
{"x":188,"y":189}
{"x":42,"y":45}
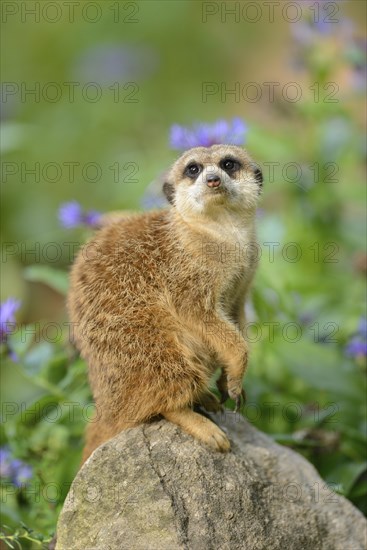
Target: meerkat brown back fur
{"x":157,"y":299}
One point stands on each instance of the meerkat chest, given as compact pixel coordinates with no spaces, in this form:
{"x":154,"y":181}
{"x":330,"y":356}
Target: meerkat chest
{"x":231,"y":253}
{"x":219,"y":257}
{"x":237,"y":262}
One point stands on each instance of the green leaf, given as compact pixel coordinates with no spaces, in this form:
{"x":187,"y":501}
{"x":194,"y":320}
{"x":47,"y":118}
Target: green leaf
{"x":9,"y":510}
{"x":56,"y":368}
{"x":358,"y":490}
{"x":347,"y":474}
{"x":319,"y":365}
{"x":37,"y":410}
{"x":54,"y":278}
{"x":34,"y":366}
{"x":37,"y":358}
{"x":21,"y":340}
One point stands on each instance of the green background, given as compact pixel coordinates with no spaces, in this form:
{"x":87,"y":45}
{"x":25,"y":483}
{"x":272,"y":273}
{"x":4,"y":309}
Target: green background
{"x":170,"y":53}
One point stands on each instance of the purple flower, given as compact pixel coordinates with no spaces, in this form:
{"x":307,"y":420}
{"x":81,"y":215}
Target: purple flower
{"x":92,"y":218}
{"x":153,"y":196}
{"x":307,"y":32}
{"x":316,"y":25}
{"x":205,"y":135}
{"x":356,"y":56}
{"x":104,"y":64}
{"x":362,"y":327}
{"x":13,"y":469}
{"x":152,"y":200}
{"x":357,"y":346}
{"x":71,"y":215}
{"x":5,"y":462}
{"x":21,"y":472}
{"x":7,"y":312}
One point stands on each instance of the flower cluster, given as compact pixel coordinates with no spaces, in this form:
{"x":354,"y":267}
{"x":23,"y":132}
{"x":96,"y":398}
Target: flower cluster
{"x":115,"y":62}
{"x":7,"y":316}
{"x":356,"y":55}
{"x":205,"y":135}
{"x":320,"y":39}
{"x":72,"y":215}
{"x":357,"y":346}
{"x":199,"y":135}
{"x":316,"y":24}
{"x":12,"y":469}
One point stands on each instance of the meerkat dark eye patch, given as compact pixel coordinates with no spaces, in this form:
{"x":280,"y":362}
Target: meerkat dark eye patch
{"x":229,"y":165}
{"x":192,"y":170}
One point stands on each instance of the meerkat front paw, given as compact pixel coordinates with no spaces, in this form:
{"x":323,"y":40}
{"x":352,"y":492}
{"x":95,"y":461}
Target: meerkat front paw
{"x":210,"y":402}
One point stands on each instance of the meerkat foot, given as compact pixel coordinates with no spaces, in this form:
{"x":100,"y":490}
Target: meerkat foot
{"x":210,"y":402}
{"x":200,"y":427}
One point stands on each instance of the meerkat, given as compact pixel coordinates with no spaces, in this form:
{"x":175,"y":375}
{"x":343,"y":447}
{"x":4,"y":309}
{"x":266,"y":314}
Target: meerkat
{"x":157,"y":299}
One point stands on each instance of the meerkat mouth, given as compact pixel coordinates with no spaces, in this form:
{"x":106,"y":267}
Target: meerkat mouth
{"x":217,"y":192}
{"x":219,"y":189}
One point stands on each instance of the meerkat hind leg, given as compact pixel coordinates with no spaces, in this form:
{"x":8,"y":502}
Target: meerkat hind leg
{"x":210,"y":402}
{"x":200,"y":427}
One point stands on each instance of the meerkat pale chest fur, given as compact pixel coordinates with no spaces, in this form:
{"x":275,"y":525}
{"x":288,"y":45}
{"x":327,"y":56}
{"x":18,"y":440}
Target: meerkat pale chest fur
{"x":157,"y":299}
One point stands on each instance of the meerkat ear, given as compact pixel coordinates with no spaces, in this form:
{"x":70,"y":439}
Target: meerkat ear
{"x":258,"y":176}
{"x":169,"y":191}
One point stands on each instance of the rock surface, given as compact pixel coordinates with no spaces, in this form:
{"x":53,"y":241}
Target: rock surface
{"x":156,"y":488}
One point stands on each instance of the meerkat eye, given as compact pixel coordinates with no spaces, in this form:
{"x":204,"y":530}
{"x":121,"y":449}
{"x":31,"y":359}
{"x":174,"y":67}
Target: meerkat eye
{"x":229,"y":165}
{"x":192,"y":170}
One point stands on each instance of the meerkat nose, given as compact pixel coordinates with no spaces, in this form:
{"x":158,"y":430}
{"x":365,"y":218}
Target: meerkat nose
{"x":213,"y":181}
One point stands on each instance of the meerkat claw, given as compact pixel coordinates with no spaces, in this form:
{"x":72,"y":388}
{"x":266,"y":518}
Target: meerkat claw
{"x":241,"y":398}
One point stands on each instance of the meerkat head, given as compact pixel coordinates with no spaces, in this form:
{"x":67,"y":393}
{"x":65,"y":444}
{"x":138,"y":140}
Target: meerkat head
{"x":205,"y":179}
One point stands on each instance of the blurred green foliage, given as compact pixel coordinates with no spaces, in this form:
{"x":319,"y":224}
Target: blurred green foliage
{"x":302,"y":387}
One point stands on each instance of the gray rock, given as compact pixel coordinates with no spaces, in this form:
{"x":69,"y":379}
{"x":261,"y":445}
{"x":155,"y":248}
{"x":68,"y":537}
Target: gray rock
{"x":156,"y":488}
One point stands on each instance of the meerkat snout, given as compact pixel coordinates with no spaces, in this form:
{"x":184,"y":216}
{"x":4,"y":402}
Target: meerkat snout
{"x":213,"y":180}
